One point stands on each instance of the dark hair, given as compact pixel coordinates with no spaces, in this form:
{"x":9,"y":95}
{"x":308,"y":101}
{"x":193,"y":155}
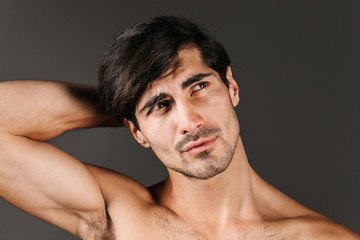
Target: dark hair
{"x":144,"y":53}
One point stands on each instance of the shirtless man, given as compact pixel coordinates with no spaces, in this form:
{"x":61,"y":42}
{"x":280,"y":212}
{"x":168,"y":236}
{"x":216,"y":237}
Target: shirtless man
{"x":171,"y":85}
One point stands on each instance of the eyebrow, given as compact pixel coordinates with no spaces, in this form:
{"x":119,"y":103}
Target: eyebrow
{"x":151,"y":102}
{"x":194,"y":78}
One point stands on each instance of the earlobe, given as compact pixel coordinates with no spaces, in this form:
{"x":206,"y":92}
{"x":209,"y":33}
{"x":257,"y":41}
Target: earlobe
{"x":141,"y":139}
{"x":233,"y":87}
{"x":137,"y":134}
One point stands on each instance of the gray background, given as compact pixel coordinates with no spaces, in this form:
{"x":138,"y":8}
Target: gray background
{"x":297,"y":64}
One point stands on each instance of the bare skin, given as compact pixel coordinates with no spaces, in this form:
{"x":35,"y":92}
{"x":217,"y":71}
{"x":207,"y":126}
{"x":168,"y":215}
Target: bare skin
{"x":232,"y":202}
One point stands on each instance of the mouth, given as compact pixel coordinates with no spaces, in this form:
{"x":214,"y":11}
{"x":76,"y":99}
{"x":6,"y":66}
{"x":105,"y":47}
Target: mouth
{"x":200,"y":145}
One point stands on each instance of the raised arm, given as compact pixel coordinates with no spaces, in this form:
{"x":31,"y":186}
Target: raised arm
{"x":37,"y":177}
{"x":42,"y":110}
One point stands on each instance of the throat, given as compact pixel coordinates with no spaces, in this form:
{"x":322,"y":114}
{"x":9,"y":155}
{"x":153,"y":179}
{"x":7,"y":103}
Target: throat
{"x":210,"y":203}
{"x":215,"y":201}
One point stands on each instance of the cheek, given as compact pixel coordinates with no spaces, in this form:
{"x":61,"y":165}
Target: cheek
{"x":160,"y":136}
{"x":222,"y":113}
{"x":217,"y":107}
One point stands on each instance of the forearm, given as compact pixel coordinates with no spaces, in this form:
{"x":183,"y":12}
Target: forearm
{"x":42,"y":110}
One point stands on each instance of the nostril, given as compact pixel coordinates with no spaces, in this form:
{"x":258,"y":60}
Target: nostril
{"x":200,"y":125}
{"x":189,"y":121}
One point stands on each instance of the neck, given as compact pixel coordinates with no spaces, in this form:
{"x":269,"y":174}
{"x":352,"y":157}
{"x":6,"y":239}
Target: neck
{"x":215,"y":201}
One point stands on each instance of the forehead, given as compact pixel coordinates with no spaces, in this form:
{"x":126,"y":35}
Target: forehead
{"x":188,"y":63}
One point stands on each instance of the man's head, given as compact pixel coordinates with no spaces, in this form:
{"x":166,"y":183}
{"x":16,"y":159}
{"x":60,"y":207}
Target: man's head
{"x":168,"y":78}
{"x":146,"y":52}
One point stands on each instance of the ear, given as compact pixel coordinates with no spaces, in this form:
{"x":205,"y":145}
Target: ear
{"x":139,"y":137}
{"x":233,"y":87}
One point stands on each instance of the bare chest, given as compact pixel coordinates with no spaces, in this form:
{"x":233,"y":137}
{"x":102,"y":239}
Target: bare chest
{"x":190,"y":233}
{"x":164,"y":225}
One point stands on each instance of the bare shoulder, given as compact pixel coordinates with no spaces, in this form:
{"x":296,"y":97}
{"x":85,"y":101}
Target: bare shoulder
{"x":131,"y":207}
{"x":117,"y":187}
{"x":315,"y":227}
{"x":299,"y":222}
{"x":125,"y":199}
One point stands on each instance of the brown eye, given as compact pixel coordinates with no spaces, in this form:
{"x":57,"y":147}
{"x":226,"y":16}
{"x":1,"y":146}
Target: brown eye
{"x":199,"y":86}
{"x":159,"y":106}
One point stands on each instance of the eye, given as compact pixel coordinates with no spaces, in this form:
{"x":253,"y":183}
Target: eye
{"x":199,"y":86}
{"x":159,"y":106}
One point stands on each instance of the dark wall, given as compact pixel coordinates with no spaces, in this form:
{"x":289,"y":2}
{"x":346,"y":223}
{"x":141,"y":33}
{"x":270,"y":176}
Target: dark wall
{"x":297,"y":64}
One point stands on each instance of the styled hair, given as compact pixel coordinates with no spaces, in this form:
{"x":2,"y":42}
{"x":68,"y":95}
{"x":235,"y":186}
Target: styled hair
{"x":144,"y":53}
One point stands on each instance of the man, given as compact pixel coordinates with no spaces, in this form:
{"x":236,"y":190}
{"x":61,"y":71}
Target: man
{"x":171,"y":84}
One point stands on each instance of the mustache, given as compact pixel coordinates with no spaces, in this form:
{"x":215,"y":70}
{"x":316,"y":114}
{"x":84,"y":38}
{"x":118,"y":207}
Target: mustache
{"x":203,"y":132}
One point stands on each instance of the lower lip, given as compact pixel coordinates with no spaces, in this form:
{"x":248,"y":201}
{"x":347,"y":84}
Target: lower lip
{"x":203,"y":147}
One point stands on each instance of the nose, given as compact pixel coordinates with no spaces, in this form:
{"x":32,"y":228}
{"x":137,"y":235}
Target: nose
{"x":189,"y":119}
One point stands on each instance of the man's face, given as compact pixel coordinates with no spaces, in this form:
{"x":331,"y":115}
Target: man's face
{"x":188,"y":118}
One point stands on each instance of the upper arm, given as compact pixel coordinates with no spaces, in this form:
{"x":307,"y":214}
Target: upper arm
{"x":129,"y":204}
{"x":48,"y":183}
{"x":119,"y":190}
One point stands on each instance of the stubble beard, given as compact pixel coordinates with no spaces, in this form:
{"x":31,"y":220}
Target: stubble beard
{"x":209,"y":165}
